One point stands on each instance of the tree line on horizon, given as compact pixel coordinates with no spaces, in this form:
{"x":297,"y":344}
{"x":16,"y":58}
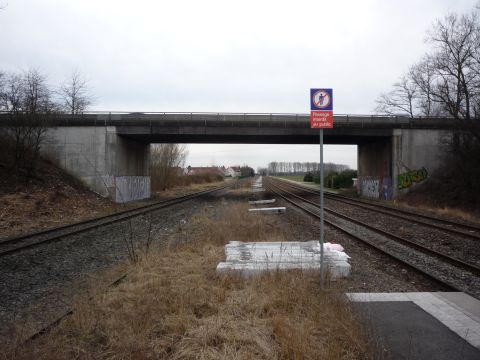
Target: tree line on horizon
{"x":299,"y":168}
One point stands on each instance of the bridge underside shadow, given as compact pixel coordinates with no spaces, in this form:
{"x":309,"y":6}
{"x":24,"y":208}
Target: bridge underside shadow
{"x":331,"y":137}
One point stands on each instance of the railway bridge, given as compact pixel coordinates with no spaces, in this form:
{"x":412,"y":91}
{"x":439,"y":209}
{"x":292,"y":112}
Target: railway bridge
{"x":110,"y":151}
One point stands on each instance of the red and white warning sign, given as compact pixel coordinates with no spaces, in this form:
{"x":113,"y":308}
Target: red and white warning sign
{"x":321,"y":119}
{"x":321,"y":106}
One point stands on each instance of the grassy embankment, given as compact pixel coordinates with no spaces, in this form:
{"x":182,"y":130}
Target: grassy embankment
{"x":174,"y":306}
{"x":292,"y":177}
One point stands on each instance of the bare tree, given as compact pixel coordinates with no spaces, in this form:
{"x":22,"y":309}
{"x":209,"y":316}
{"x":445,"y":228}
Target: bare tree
{"x":11,"y":94}
{"x":262,"y":171}
{"x":272,"y":168}
{"x":446,"y":81}
{"x":27,"y":98}
{"x":401,"y":100}
{"x":166,"y":162}
{"x":456,"y":65}
{"x":38,"y":107}
{"x":423,"y":75}
{"x":75,"y":94}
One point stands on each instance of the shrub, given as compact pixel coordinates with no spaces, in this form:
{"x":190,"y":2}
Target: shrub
{"x":308,"y":177}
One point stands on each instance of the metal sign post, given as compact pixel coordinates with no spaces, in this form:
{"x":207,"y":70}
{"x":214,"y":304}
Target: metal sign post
{"x":322,"y":231}
{"x":321,"y":116}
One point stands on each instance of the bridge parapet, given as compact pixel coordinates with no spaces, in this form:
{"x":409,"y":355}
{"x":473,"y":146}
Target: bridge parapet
{"x":240,"y":119}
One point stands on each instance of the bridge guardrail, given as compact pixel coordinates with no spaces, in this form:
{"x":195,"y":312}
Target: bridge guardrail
{"x":236,"y":119}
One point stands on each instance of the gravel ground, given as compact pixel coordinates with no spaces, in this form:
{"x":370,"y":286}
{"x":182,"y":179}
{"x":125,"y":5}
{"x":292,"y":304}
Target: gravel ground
{"x":37,"y":285}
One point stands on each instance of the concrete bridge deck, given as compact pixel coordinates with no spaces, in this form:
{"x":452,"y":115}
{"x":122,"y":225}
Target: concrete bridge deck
{"x":249,"y":128}
{"x":246,"y":128}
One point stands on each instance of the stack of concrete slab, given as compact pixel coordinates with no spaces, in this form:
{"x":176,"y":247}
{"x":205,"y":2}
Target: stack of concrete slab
{"x":273,"y":210}
{"x":251,"y":258}
{"x":262,"y":202}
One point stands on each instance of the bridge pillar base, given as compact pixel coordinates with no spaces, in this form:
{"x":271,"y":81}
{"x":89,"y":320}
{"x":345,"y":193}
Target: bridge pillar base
{"x":374,"y":169}
{"x":108,"y":164}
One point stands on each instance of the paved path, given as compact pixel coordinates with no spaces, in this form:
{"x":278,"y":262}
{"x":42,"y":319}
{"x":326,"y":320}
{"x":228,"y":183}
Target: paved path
{"x":424,"y":325}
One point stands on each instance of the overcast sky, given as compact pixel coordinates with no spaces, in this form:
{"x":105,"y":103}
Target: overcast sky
{"x":233,"y":56}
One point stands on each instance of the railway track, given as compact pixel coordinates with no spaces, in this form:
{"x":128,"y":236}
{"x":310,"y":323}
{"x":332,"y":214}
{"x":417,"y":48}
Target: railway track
{"x":454,"y":227}
{"x":16,"y":244}
{"x":453,"y":273}
{"x":31,"y":240}
{"x":50,"y":326}
{"x":454,"y":243}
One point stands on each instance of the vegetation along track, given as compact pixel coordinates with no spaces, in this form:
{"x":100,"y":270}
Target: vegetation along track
{"x":451,"y":272}
{"x":15,"y":244}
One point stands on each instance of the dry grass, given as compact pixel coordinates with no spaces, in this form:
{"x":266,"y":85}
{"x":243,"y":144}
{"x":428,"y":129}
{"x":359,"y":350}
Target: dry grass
{"x":174,"y":306}
{"x":448,"y":212}
{"x":182,"y":190}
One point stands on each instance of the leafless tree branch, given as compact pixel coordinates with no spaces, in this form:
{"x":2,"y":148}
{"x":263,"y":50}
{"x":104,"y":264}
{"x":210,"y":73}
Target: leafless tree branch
{"x":75,"y":94}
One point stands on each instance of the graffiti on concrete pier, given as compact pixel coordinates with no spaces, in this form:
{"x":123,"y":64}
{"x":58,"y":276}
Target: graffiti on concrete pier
{"x":371,"y":188}
{"x":407,"y":179}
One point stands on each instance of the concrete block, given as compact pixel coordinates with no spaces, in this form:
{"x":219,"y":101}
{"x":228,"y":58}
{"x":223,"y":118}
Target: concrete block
{"x":130,"y":188}
{"x":257,"y":257}
{"x":256,"y":190}
{"x":275,"y":210}
{"x":260,"y":202}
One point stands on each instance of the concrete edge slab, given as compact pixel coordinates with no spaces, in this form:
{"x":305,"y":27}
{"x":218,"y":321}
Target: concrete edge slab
{"x":463,"y":302}
{"x":453,"y":317}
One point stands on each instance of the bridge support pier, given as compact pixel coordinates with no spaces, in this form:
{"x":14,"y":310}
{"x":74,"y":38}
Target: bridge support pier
{"x":390,"y":166}
{"x":111,"y":165}
{"x":374,"y":169}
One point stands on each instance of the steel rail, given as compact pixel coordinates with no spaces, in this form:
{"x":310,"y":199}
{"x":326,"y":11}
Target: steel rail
{"x":405,"y":214}
{"x":454,"y":261}
{"x":50,"y":326}
{"x":55,"y":234}
{"x":363,"y":241}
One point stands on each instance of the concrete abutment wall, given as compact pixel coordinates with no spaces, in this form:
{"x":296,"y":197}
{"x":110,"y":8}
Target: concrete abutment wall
{"x":108,"y":164}
{"x":417,"y":154}
{"x":391,"y":166}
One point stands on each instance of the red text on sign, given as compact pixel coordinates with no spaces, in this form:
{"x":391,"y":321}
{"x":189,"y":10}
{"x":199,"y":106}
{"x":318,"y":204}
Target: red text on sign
{"x":321,"y":119}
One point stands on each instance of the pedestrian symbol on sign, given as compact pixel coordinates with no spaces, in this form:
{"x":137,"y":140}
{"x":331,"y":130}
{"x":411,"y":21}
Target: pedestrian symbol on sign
{"x":321,"y":99}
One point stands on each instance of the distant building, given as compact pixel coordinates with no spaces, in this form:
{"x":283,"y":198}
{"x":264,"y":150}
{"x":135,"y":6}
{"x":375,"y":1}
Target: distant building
{"x":233,"y":171}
